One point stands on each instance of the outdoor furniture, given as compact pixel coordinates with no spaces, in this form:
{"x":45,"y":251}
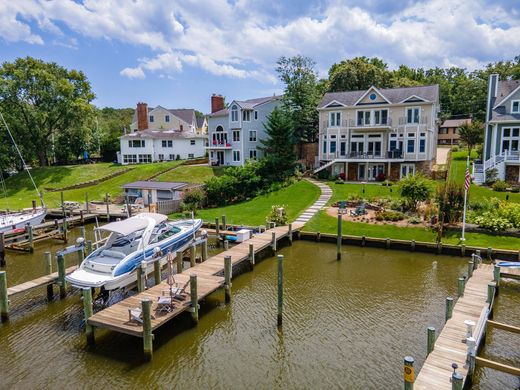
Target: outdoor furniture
{"x":136,"y":315}
{"x":165,"y":304}
{"x":177,"y":293}
{"x":360,"y":210}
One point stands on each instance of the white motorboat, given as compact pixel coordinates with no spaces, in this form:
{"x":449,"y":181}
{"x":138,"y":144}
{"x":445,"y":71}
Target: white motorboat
{"x":129,"y":243}
{"x":19,"y":220}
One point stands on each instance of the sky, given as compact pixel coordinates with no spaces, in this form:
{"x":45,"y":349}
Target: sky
{"x":177,"y":53}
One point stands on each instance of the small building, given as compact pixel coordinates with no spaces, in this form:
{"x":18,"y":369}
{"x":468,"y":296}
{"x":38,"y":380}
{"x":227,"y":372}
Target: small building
{"x":154,"y":191}
{"x":449,"y":131}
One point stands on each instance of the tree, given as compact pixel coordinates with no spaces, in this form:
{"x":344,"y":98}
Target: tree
{"x":358,"y":74}
{"x":301,"y":95}
{"x":471,"y":134}
{"x":414,"y":189}
{"x":450,"y":198}
{"x":41,"y":101}
{"x":280,"y":157}
{"x":112,"y":122}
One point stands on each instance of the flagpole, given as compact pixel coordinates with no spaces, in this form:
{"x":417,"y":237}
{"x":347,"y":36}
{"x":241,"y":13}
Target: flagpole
{"x":465,"y":200}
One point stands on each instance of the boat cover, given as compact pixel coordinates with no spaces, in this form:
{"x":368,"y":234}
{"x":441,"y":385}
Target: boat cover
{"x":125,"y":227}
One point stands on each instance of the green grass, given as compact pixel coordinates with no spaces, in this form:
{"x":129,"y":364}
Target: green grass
{"x":342,"y":191}
{"x":296,"y":197}
{"x":326,"y":224}
{"x":20,"y":191}
{"x":191,"y":174}
{"x":476,"y":193}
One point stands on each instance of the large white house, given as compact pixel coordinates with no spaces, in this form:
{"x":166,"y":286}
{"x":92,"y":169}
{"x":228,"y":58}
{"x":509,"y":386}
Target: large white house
{"x":235,"y":132}
{"x":160,"y":134}
{"x":377,"y":134}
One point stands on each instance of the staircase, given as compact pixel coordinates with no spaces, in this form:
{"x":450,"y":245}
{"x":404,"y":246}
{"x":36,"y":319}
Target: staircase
{"x":497,"y":162}
{"x":324,"y":166}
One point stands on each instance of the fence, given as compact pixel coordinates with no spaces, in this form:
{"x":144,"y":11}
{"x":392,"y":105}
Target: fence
{"x":168,"y":206}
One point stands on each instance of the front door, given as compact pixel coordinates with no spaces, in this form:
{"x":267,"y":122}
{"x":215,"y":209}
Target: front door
{"x":374,"y":170}
{"x":342,"y":148}
{"x":220,"y":157}
{"x":374,"y":148}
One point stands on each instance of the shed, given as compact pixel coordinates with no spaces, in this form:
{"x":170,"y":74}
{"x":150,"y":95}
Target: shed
{"x":154,"y":191}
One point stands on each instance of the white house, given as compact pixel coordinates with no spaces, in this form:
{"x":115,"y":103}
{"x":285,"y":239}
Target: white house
{"x":160,"y":134}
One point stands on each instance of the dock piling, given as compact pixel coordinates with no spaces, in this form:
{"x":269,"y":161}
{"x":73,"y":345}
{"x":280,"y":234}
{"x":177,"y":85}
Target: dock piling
{"x":82,"y":221}
{"x":140,"y":276}
{"x":204,"y":249}
{"x":490,"y":292}
{"x":290,"y":233}
{"x":30,"y":237}
{"x":217,"y":232}
{"x":2,"y":250}
{"x":496,"y":275}
{"x":471,"y":343}
{"x":226,"y":245}
{"x":471,"y":265}
{"x":412,"y":245}
{"x":449,"y":308}
{"x":157,"y":272}
{"x":86,"y":203}
{"x":193,"y":252}
{"x":273,"y":241}
{"x":82,"y":232}
{"x":409,"y":376}
{"x":146,"y":305}
{"x":88,"y":311}
{"x":460,"y":287}
{"x":47,"y":259}
{"x":81,"y":256}
{"x":431,"y":340}
{"x":457,"y":381}
{"x":280,"y":290}
{"x":89,"y":247}
{"x":194,"y":299}
{"x":224,"y":225}
{"x":60,"y":260}
{"x":339,"y":237}
{"x":180,"y":265}
{"x":107,"y":196}
{"x":252,"y":255}
{"x":228,"y":270}
{"x":462,"y":250}
{"x":387,"y":243}
{"x":4,"y":299}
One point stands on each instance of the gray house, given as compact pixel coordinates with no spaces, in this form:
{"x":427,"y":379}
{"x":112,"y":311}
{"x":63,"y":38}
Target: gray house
{"x":502,"y":132}
{"x":235,"y":132}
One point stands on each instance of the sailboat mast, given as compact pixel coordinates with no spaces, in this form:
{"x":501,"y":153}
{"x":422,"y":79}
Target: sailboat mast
{"x":23,"y":161}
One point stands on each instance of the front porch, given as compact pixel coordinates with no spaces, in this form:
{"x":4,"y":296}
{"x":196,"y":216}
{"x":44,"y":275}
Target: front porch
{"x":373,"y":170}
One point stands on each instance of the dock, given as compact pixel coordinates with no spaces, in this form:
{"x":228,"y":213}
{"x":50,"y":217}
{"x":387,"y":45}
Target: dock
{"x":208,"y":279}
{"x":38,"y":282}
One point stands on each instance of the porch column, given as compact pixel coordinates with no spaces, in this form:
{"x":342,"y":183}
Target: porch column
{"x":388,"y":172}
{"x":346,"y":171}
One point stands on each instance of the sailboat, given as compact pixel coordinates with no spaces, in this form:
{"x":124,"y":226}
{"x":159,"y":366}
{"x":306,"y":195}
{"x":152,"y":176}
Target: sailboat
{"x":10,"y":221}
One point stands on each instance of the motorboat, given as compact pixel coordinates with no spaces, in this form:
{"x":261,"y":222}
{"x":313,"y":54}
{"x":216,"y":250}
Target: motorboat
{"x":19,"y":220}
{"x":128,"y":244}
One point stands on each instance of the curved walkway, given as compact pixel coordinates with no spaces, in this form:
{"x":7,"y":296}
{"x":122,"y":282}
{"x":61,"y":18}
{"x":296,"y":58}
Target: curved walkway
{"x":326,"y":194}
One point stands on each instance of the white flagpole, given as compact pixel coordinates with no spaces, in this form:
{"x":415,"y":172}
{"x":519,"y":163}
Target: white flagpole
{"x":465,"y":202}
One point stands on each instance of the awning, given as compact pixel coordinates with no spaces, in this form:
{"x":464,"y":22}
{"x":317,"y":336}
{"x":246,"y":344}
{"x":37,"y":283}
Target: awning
{"x":155,"y":216}
{"x":125,"y":227}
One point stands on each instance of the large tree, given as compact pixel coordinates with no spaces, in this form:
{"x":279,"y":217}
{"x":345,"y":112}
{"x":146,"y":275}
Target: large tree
{"x":43,"y":101}
{"x":301,"y":95}
{"x":471,"y":134}
{"x":112,"y":122}
{"x":359,"y":73}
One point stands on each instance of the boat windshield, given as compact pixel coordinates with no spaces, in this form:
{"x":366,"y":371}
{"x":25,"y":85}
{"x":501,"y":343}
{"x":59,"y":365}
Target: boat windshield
{"x":122,"y":241}
{"x":163,"y":231}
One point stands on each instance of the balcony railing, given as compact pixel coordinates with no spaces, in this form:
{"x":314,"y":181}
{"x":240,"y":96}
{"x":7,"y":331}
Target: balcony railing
{"x":384,"y":122}
{"x":328,"y":124}
{"x":404,"y":120}
{"x":390,"y":154}
{"x":220,"y":144}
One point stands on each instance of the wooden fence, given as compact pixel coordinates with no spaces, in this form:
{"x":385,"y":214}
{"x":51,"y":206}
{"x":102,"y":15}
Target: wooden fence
{"x":168,"y":206}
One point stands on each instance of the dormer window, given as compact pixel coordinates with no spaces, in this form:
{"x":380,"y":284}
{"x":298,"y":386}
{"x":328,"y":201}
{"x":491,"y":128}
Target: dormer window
{"x":246,"y":116}
{"x":167,"y":118}
{"x":234,"y":113}
{"x":515,"y":106}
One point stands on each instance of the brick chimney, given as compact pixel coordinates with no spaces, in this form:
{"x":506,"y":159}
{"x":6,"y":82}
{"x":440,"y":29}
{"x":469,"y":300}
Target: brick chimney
{"x":142,"y":116}
{"x":217,"y":103}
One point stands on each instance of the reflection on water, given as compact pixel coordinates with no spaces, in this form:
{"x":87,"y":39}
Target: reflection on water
{"x":347,"y":324}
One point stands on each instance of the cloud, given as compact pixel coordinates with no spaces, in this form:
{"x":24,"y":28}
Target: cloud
{"x":243,"y":38}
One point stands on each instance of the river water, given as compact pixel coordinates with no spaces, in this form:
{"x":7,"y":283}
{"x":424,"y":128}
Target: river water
{"x":347,"y":324}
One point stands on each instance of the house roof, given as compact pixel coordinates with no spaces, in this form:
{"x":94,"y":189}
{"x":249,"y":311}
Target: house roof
{"x":185,"y":114}
{"x":247,"y":104}
{"x":200,"y":122}
{"x":163,"y":134}
{"x":393,"y":95}
{"x":155,"y":185}
{"x":504,"y":89}
{"x":222,"y":112}
{"x":455,"y":122}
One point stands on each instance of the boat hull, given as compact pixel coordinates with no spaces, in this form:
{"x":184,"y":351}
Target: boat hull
{"x":20,"y":220}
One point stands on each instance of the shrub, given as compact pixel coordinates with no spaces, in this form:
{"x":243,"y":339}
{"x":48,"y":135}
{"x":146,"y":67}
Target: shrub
{"x":389,"y":215}
{"x":414,"y":220}
{"x":515,"y":189}
{"x":380,"y":176}
{"x":193,"y":199}
{"x":323,"y":175}
{"x":450,"y":198}
{"x":387,"y":183}
{"x":500,"y":186}
{"x":397,"y":204}
{"x":415,"y":189}
{"x":277,"y":215}
{"x":493,"y":222}
{"x":491,"y":176}
{"x":342,"y":176}
{"x":455,"y":148}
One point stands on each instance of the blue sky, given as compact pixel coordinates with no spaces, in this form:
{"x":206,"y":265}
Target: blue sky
{"x":177,"y":53}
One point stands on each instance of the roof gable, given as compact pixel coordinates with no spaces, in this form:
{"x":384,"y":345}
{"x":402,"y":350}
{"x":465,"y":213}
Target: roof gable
{"x":505,"y":91}
{"x":372,"y":96}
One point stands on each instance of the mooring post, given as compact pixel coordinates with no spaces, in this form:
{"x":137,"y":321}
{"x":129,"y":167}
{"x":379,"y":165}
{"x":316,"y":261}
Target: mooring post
{"x":81,"y":256}
{"x":290,"y":233}
{"x":273,"y":241}
{"x":128,"y":207}
{"x":194,"y":299}
{"x":2,"y":250}
{"x":81,"y":218}
{"x":449,"y":308}
{"x":412,"y":245}
{"x":63,"y":206}
{"x":204,"y":249}
{"x":318,"y":236}
{"x":489,"y":252}
{"x":82,"y":232}
{"x":224,"y":225}
{"x":387,"y":243}
{"x":439,"y":247}
{"x":60,"y":260}
{"x":226,"y":245}
{"x":180,"y":265}
{"x":30,"y":237}
{"x":193,"y":252}
{"x":363,"y":239}
{"x":217,"y":232}
{"x":108,"y":206}
{"x":496,"y":275}
{"x":146,"y":305}
{"x":89,"y":247}
{"x":463,"y":250}
{"x":88,"y":311}
{"x":457,"y":380}
{"x":339,"y":238}
{"x":409,"y":376}
{"x":470,"y":268}
{"x":471,"y":344}
{"x":4,"y":299}
{"x":431,"y":340}
{"x":47,"y":260}
{"x":460,"y":287}
{"x":87,"y":209}
{"x":280,"y":290}
{"x":490,"y":292}
{"x":252,"y":255}
{"x":228,"y":270}
{"x":157,"y":271}
{"x":141,"y":271}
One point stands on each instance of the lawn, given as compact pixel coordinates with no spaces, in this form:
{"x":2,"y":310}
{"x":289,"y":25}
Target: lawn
{"x":20,"y":191}
{"x":190,"y":174}
{"x":326,"y":224}
{"x":342,"y":191}
{"x":476,"y":193}
{"x":296,"y":198}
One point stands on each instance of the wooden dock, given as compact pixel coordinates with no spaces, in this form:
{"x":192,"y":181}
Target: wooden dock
{"x":38,"y":282}
{"x":208,"y":273}
{"x":450,"y":347}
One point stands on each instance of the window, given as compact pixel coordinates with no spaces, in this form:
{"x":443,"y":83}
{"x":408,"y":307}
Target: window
{"x":510,"y":139}
{"x":515,"y":106}
{"x":236,"y":135}
{"x":252,"y":135}
{"x":192,"y":142}
{"x":381,"y":117}
{"x":234,"y":113}
{"x":324,"y":147}
{"x":236,"y":155}
{"x":129,"y":158}
{"x":167,"y":144}
{"x":171,"y":157}
{"x":145,"y":158}
{"x":252,"y":153}
{"x":412,"y":115}
{"x":151,"y":118}
{"x":422,"y":145}
{"x":334,"y":119}
{"x":246,"y":116}
{"x":161,"y":157}
{"x":136,"y":143}
{"x":407,"y":169}
{"x":191,"y":155}
{"x":256,"y":115}
{"x":363,"y":118}
{"x":333,"y":146}
{"x":443,"y":130}
{"x":167,"y":118}
{"x":410,"y":146}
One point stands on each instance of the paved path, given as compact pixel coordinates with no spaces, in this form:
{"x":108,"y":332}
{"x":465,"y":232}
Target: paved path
{"x":326,"y":193}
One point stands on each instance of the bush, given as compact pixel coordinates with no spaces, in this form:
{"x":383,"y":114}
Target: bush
{"x":277,"y":215}
{"x":193,"y":199}
{"x":342,"y":176}
{"x":450,"y":198}
{"x":387,"y":183}
{"x":323,"y":175}
{"x":491,"y":176}
{"x":415,"y":189}
{"x":455,"y":148}
{"x":414,"y":220}
{"x":389,"y":215}
{"x":500,"y":186}
{"x":493,"y":222}
{"x":380,"y":176}
{"x":515,"y":189}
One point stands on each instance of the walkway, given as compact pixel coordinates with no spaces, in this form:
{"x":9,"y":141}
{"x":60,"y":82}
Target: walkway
{"x":326,"y":194}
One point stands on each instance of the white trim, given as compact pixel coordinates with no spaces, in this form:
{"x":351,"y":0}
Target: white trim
{"x":334,"y":101}
{"x":515,"y":101}
{"x":408,"y":166}
{"x":415,"y":96}
{"x":507,"y":97}
{"x":366,"y":93}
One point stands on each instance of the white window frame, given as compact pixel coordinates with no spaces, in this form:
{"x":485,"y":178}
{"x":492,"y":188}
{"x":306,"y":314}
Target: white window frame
{"x":192,"y":142}
{"x":191,"y":155}
{"x":246,"y":116}
{"x":234,"y":113}
{"x":335,"y":119}
{"x":256,"y":115}
{"x":151,"y":118}
{"x":518,"y":106}
{"x":510,"y":138}
{"x":253,"y":136}
{"x":236,"y":136}
{"x":161,"y":156}
{"x":413,"y":117}
{"x":407,"y":167}
{"x":251,"y":153}
{"x":236,"y":153}
{"x":167,"y":118}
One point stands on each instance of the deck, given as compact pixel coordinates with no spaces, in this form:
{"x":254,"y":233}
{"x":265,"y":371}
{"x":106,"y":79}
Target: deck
{"x":116,"y":316}
{"x":35,"y":283}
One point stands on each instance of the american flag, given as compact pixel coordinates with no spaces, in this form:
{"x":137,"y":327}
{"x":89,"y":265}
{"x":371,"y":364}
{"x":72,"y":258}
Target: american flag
{"x":468,"y":179}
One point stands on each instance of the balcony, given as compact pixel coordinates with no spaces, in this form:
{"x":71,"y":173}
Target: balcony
{"x":328,"y":125}
{"x":388,"y":155}
{"x":222,"y":145}
{"x":384,"y":122}
{"x":403,"y":121}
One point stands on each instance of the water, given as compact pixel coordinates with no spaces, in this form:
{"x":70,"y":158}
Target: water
{"x":347,"y":324}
